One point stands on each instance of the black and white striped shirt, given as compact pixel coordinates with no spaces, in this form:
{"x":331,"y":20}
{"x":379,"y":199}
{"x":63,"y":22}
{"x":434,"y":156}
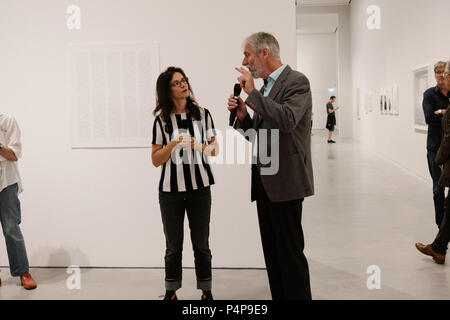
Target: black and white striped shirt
{"x":192,"y":170}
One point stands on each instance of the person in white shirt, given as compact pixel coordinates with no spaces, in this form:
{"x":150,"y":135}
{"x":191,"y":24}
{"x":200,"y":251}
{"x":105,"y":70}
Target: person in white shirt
{"x":10,"y":213}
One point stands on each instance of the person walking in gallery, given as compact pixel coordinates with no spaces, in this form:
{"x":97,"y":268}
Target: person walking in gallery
{"x":438,"y":248}
{"x":183,"y":138}
{"x":435,"y":101}
{"x":283,"y":106}
{"x":10,"y":213}
{"x":331,"y":118}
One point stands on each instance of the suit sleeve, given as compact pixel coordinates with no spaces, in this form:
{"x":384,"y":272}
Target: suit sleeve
{"x":243,"y":126}
{"x":443,"y":153}
{"x":286,"y":115}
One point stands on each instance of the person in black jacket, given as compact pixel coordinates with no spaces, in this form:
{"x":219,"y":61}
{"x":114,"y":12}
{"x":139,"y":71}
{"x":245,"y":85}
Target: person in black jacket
{"x":438,"y":248}
{"x":435,"y":102}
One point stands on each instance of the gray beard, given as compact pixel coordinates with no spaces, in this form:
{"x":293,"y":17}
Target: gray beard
{"x":255,"y":74}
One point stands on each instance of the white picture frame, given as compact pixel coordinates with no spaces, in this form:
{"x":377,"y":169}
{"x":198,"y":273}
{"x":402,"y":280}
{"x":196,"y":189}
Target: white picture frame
{"x":421,"y":78}
{"x":381,"y":101}
{"x":368,"y":102}
{"x":358,"y":104}
{"x":396,"y":100}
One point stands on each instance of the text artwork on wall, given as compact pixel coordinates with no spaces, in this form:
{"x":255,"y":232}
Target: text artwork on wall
{"x":112,"y":94}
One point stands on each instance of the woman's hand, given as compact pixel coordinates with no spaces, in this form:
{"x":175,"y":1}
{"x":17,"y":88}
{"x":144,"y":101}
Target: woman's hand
{"x":195,"y":145}
{"x":211,"y":149}
{"x":161,"y":154}
{"x":184,"y":140}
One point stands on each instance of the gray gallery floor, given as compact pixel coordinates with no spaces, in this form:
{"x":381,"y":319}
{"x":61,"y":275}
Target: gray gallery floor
{"x":367,"y":211}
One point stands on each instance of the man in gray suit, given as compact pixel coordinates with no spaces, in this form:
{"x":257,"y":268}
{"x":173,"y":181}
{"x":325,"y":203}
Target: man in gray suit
{"x":281,"y":108}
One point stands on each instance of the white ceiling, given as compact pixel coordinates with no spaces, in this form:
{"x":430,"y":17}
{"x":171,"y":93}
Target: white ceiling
{"x":322,"y":2}
{"x":317,"y":23}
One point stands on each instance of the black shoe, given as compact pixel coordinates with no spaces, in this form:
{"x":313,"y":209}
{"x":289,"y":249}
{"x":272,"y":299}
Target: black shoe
{"x":170,"y":295}
{"x":207,"y":295}
{"x":331,"y":141}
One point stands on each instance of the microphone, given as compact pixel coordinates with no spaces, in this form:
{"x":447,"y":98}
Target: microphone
{"x":237,"y":92}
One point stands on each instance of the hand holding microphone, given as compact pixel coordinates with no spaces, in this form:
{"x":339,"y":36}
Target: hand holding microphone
{"x":236,"y":92}
{"x":236,"y":105}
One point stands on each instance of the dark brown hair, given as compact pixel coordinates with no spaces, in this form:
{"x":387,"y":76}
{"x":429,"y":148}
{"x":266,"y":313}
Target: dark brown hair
{"x":164,"y":102}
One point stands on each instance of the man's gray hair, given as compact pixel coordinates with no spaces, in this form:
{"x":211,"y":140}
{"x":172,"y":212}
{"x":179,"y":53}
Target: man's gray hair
{"x":447,"y":67}
{"x":440,"y":64}
{"x":261,"y":40}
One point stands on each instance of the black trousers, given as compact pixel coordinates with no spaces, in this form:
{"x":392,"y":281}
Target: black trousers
{"x":173,"y":206}
{"x":438,"y":191}
{"x":442,"y":239}
{"x":283,"y":244}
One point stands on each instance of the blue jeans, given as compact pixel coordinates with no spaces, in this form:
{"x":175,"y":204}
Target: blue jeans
{"x":10,"y":219}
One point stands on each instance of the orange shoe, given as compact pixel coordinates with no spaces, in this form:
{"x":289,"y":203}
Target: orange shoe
{"x":27,"y":281}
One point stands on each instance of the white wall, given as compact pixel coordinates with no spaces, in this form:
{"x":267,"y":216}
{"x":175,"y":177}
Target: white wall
{"x":317,"y":59}
{"x":411,"y":35}
{"x":100,"y":207}
{"x":344,"y":64}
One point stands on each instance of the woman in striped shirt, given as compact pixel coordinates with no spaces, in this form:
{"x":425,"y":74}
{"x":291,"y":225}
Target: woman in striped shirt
{"x":183,"y":138}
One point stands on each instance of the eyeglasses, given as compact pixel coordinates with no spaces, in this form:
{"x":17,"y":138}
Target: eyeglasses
{"x":177,"y":83}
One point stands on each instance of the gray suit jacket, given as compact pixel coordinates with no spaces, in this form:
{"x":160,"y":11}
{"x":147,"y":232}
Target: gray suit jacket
{"x":287,"y":108}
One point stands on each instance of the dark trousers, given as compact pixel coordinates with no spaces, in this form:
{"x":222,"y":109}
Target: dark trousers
{"x":173,"y":206}
{"x":283,"y":244}
{"x":438,"y":191}
{"x":442,"y":239}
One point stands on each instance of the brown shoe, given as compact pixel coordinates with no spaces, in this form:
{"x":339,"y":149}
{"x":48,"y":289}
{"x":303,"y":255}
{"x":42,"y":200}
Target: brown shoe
{"x":27,"y":281}
{"x":428,"y":250}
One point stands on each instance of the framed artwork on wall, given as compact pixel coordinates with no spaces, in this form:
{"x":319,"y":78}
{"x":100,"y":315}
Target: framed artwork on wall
{"x":368,"y":102}
{"x":421,"y":83}
{"x":381,"y":101}
{"x":389,"y":100}
{"x":372,"y":101}
{"x":358,"y":104}
{"x":109,"y":93}
{"x":395,"y":101}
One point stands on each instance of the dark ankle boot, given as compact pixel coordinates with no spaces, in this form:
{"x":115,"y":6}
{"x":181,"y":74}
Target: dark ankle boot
{"x":170,"y":295}
{"x":207,"y":295}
